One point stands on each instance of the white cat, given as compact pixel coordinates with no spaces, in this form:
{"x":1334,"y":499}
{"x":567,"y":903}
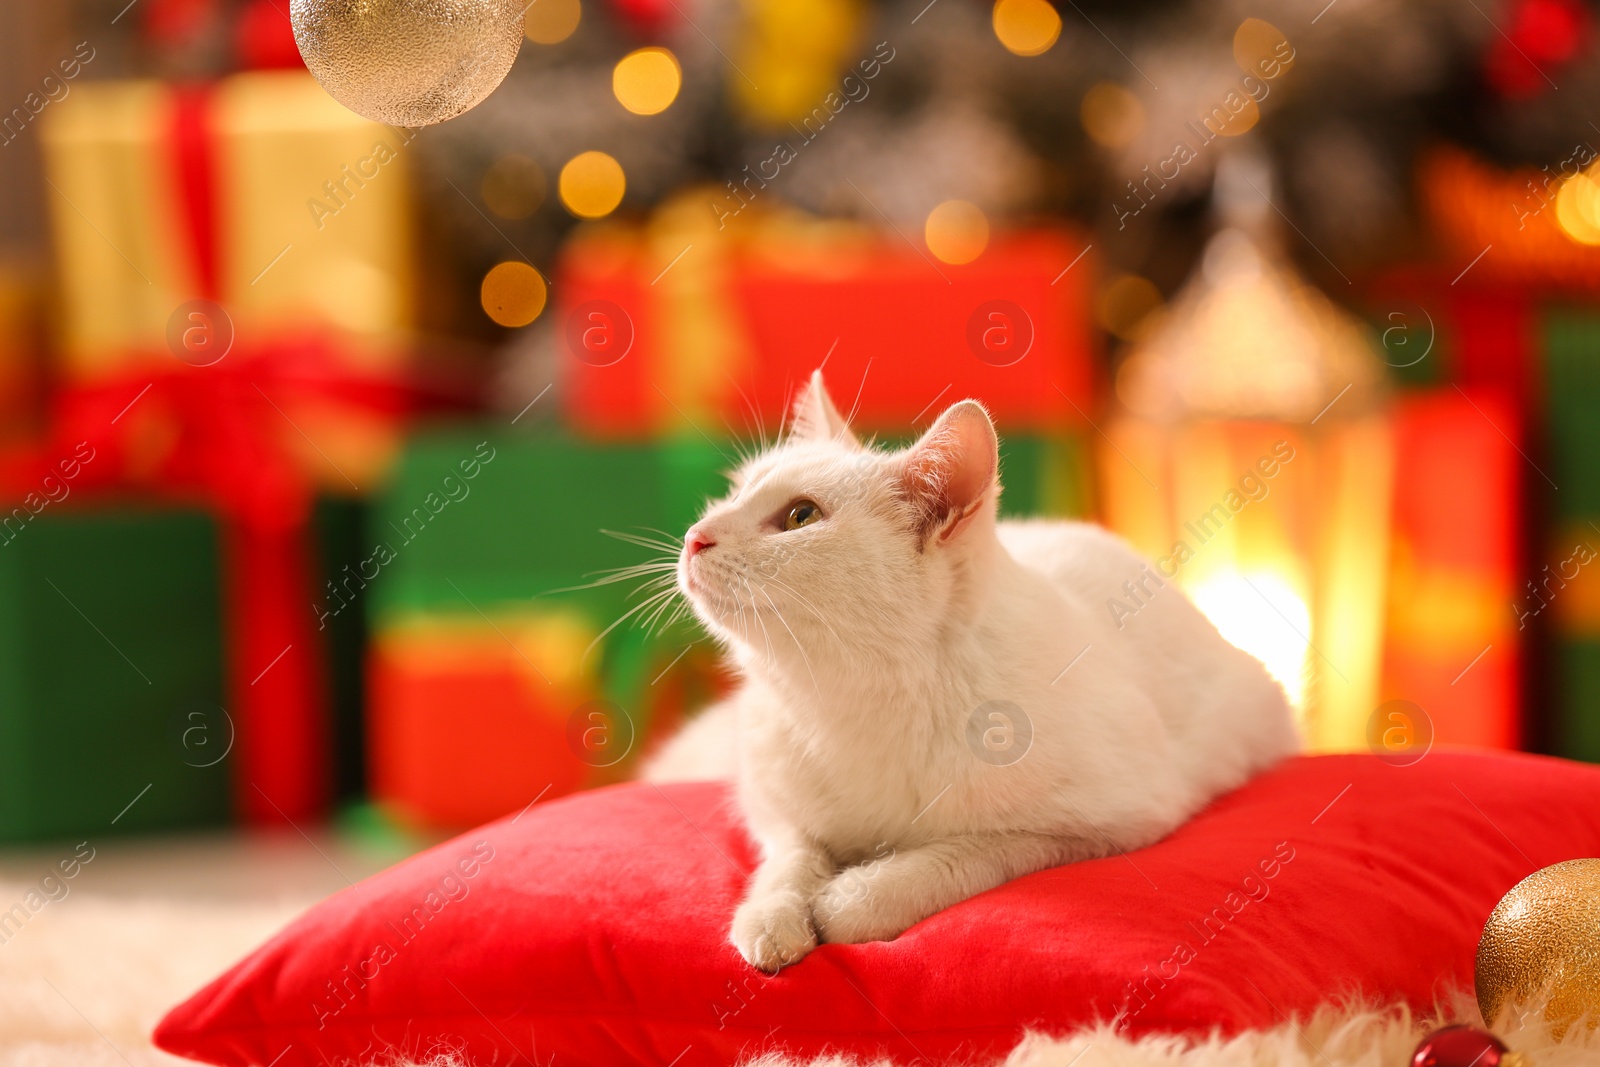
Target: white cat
{"x":934,"y":702}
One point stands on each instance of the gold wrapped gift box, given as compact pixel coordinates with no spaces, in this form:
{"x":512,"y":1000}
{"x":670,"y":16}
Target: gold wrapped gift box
{"x":259,"y":192}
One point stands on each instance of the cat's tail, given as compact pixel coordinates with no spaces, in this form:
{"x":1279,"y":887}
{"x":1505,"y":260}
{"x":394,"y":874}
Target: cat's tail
{"x":705,"y":749}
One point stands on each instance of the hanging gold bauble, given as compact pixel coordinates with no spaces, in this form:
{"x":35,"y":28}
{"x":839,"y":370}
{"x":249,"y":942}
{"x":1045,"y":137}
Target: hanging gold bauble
{"x":1543,"y":940}
{"x":408,"y":62}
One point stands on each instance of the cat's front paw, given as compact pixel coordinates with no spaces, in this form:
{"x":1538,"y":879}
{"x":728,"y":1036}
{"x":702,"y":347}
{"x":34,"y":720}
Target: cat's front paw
{"x":773,"y":932}
{"x":850,"y":910}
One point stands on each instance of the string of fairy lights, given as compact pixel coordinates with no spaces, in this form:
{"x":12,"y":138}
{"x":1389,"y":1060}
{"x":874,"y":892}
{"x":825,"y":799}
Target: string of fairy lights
{"x":646,"y":81}
{"x":591,"y":184}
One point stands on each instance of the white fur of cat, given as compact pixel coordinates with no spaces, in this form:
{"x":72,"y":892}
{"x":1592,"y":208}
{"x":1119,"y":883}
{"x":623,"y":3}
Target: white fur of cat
{"x":875,"y":769}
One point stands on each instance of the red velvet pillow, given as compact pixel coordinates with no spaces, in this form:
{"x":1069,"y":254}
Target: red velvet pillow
{"x":593,"y":929}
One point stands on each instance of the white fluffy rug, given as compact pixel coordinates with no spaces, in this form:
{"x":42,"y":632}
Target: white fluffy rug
{"x":1338,"y":1036}
{"x":86,"y":978}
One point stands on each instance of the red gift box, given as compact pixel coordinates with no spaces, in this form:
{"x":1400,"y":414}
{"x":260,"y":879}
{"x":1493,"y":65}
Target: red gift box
{"x":897,"y":333}
{"x":1452,"y":646}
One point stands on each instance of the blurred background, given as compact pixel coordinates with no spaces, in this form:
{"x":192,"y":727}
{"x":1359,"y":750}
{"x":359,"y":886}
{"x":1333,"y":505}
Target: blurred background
{"x":310,"y":427}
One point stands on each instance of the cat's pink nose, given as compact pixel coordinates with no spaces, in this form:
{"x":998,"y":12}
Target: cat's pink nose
{"x":697,"y":540}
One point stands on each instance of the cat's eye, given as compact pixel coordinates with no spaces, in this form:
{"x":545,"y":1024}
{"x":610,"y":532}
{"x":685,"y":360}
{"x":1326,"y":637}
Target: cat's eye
{"x":801,"y":513}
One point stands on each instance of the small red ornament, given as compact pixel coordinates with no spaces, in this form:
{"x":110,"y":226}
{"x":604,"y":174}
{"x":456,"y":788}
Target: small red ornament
{"x":1465,"y":1046}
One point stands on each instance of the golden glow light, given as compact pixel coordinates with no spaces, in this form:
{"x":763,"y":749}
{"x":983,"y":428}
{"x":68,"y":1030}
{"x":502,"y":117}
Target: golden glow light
{"x":1243,"y":121}
{"x":1578,"y":209}
{"x":513,"y":187}
{"x":592,"y":184}
{"x":646,"y":82}
{"x":551,"y":21}
{"x":513,"y":293}
{"x":1261,"y":613}
{"x":1026,"y":27}
{"x":1126,"y":302}
{"x":1111,"y":115}
{"x":1259,"y":48}
{"x":956,"y":232}
{"x":789,"y":56}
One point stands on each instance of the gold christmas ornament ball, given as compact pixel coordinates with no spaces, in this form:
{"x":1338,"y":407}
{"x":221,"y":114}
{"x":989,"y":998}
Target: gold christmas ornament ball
{"x":408,"y":62}
{"x":1543,"y":940}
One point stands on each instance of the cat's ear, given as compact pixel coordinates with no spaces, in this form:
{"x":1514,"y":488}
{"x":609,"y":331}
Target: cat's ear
{"x":815,"y":417}
{"x":950,"y":472}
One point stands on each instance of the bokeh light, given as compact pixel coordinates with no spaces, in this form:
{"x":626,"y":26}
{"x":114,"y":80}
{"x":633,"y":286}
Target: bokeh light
{"x":1578,"y":209}
{"x":551,"y":21}
{"x":1126,"y":302}
{"x":592,"y":184}
{"x":513,"y":293}
{"x":1233,"y":123}
{"x":1259,"y":48}
{"x":956,"y":231}
{"x":513,"y":187}
{"x":788,"y":56}
{"x":1026,"y":27}
{"x":646,"y":81}
{"x":1111,"y":115}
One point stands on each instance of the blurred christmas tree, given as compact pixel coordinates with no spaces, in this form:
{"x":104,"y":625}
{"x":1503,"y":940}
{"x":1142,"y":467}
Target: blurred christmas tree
{"x":1111,"y":114}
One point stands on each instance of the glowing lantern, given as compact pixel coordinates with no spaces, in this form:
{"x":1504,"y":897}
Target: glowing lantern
{"x":1252,"y":460}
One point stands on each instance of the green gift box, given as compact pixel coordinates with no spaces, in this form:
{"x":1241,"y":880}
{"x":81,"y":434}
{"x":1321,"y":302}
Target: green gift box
{"x":111,"y":673}
{"x":1572,"y":395}
{"x":478,"y":519}
{"x":1044,"y":476}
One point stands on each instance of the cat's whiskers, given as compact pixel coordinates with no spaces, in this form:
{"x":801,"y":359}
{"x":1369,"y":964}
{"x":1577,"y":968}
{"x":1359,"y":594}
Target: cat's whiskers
{"x":797,"y":642}
{"x":765,"y":637}
{"x":741,"y":453}
{"x":643,"y":605}
{"x":673,"y":542}
{"x":738,"y":617}
{"x":747,"y":604}
{"x":659,"y":589}
{"x":650,"y":620}
{"x":679,"y":605}
{"x":662,"y":568}
{"x":788,"y":406}
{"x":714,"y":599}
{"x":799,"y":598}
{"x":761,"y":431}
{"x":658,"y":582}
{"x":667,"y":544}
{"x":744,"y":625}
